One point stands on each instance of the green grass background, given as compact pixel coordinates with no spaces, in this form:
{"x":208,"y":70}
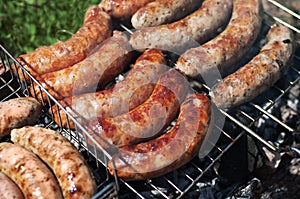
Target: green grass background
{"x":28,"y":24}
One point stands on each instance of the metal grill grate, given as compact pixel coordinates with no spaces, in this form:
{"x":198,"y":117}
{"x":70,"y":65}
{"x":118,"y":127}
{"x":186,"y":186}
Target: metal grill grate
{"x":238,"y":122}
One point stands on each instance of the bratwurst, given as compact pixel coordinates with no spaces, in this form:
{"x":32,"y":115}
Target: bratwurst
{"x":217,"y":55}
{"x":112,"y":57}
{"x":178,"y":36}
{"x":162,"y":11}
{"x":169,"y":151}
{"x":121,"y":97}
{"x":96,"y":28}
{"x":61,"y":156}
{"x":32,"y":176}
{"x":146,"y":120}
{"x":260,"y":73}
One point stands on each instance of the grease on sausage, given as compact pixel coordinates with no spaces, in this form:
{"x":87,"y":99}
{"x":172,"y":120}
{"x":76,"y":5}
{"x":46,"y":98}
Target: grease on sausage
{"x":169,"y":151}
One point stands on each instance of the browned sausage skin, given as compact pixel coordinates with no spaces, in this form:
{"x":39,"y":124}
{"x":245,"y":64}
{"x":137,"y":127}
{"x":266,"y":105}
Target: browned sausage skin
{"x":32,"y":176}
{"x":62,"y":157}
{"x":217,"y":55}
{"x":162,"y":11}
{"x":96,"y":28}
{"x":112,"y":57}
{"x":146,"y":120}
{"x":122,"y":97}
{"x":8,"y":189}
{"x":259,"y":74}
{"x":169,"y":151}
{"x":178,"y":36}
{"x":122,"y":8}
{"x":18,"y":112}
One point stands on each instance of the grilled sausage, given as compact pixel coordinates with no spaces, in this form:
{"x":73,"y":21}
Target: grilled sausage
{"x":199,"y":26}
{"x":169,"y":151}
{"x":122,"y":97}
{"x":259,"y":74}
{"x":28,"y":172}
{"x":122,"y":8}
{"x":215,"y":56}
{"x":95,"y":71}
{"x":61,"y":156}
{"x":162,"y":11}
{"x":146,"y":120}
{"x":18,"y":112}
{"x":96,"y":28}
{"x":8,"y":189}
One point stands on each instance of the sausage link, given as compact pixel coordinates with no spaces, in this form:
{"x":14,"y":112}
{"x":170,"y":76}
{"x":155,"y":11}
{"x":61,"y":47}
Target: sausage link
{"x":178,"y":36}
{"x":169,"y":151}
{"x":61,"y":156}
{"x":96,"y":28}
{"x":122,"y":97}
{"x":28,"y":172}
{"x":162,"y":11}
{"x":146,"y":120}
{"x":18,"y":112}
{"x":259,"y":74}
{"x":217,"y":55}
{"x":8,"y":189}
{"x":122,"y":8}
{"x":86,"y":76}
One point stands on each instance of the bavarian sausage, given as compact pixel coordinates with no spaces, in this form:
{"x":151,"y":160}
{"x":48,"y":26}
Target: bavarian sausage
{"x":96,"y":28}
{"x":217,"y":55}
{"x":178,"y":36}
{"x":146,"y":120}
{"x":18,"y":112}
{"x":112,"y":57}
{"x":32,"y":176}
{"x":162,"y":11}
{"x":259,"y":74}
{"x":169,"y":151}
{"x":8,"y":189}
{"x":61,"y":156}
{"x":120,"y":98}
{"x":122,"y":9}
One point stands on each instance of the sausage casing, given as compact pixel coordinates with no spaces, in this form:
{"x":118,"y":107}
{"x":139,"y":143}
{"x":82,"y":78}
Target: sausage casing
{"x":112,"y":57}
{"x":146,"y":120}
{"x":260,"y":73}
{"x":18,"y":112}
{"x":122,"y":8}
{"x":28,"y":172}
{"x":162,"y":11}
{"x":8,"y":189}
{"x":217,"y":55}
{"x":96,"y":28}
{"x":61,"y":156}
{"x":169,"y":151}
{"x":122,"y":97}
{"x":178,"y":36}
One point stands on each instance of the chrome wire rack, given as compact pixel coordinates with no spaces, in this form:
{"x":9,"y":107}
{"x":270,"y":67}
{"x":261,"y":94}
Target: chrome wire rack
{"x":244,"y":120}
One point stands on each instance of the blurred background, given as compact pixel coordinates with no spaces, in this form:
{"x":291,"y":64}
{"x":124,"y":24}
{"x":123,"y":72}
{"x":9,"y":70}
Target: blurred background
{"x":28,"y":24}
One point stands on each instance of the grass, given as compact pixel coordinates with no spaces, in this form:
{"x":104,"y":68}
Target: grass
{"x":28,"y":24}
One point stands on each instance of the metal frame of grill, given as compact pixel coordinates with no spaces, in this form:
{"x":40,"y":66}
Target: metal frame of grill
{"x":169,"y":185}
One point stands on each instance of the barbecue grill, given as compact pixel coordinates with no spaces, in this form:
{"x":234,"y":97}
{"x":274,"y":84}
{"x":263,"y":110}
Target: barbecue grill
{"x":250,"y":135}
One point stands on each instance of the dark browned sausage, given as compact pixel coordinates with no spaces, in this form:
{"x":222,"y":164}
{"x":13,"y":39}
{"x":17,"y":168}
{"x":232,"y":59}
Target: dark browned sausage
{"x":112,"y":57}
{"x":96,"y":28}
{"x":146,"y":120}
{"x":169,"y":151}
